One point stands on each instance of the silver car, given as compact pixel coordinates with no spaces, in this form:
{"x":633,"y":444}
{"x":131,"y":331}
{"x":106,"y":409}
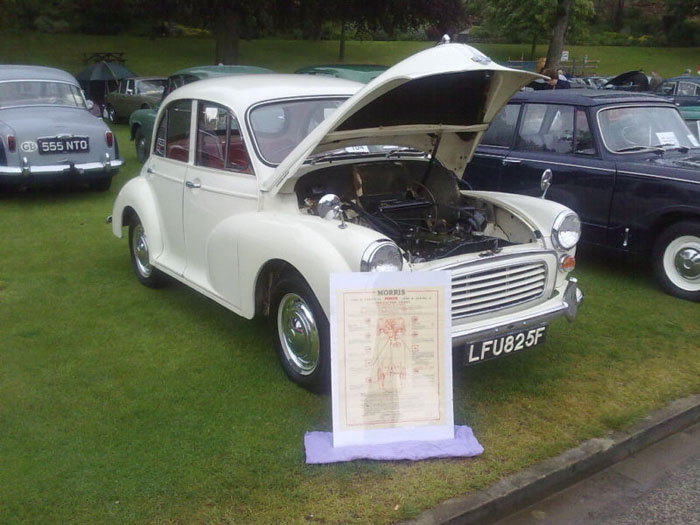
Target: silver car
{"x":47,"y":133}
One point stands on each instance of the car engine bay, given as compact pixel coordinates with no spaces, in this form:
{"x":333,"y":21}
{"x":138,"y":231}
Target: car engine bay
{"x":416,"y":205}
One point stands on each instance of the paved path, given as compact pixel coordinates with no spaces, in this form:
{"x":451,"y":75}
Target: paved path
{"x":658,"y":485}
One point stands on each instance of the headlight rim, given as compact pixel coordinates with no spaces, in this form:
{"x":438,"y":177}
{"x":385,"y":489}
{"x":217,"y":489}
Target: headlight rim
{"x":371,"y":251}
{"x":556,"y":229}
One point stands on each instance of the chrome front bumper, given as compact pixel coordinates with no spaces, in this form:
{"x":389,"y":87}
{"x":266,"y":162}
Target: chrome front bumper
{"x":565,"y":305}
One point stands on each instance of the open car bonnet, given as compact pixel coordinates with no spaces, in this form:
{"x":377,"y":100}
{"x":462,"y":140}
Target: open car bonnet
{"x":449,"y":93}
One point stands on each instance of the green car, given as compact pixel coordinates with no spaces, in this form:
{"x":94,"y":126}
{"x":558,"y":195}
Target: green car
{"x":132,"y":94}
{"x":691,"y":115}
{"x":358,"y":72}
{"x":141,"y":121}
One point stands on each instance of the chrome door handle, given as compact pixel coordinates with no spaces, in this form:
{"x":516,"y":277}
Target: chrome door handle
{"x":191,"y":184}
{"x":505,"y":162}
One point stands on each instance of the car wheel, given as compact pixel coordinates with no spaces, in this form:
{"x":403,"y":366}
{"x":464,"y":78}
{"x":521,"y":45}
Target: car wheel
{"x":140,"y":144}
{"x":301,"y":331}
{"x":140,"y":256}
{"x":677,"y":260}
{"x":111,"y":115}
{"x":101,"y":184}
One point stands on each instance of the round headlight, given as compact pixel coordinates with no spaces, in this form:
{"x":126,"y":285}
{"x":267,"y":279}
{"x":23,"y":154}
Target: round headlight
{"x":381,"y":256}
{"x":566,"y":230}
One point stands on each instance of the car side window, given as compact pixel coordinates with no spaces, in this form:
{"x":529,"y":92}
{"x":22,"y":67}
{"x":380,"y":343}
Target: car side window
{"x":666,"y":88}
{"x":219,"y":141}
{"x":584,"y":137}
{"x":502,"y":128}
{"x":173,"y":137}
{"x":122,"y":86}
{"x":687,"y":89}
{"x":548,"y":128}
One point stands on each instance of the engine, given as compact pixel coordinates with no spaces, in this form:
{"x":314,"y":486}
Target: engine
{"x":426,"y":217}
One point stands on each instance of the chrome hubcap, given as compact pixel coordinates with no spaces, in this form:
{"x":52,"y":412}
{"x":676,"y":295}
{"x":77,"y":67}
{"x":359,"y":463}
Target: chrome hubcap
{"x":681,"y":262}
{"x":141,"y":258}
{"x":298,"y":334}
{"x":688,"y":263}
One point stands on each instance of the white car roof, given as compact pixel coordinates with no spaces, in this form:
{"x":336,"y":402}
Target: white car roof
{"x":239,"y":92}
{"x":17,"y":72}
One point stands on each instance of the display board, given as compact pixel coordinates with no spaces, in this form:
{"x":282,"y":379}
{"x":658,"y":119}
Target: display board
{"x":391,"y":359}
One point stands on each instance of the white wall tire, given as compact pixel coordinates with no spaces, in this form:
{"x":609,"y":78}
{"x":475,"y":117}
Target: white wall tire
{"x":677,"y":260}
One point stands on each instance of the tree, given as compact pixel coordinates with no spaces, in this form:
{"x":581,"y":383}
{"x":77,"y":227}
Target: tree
{"x":556,"y":42}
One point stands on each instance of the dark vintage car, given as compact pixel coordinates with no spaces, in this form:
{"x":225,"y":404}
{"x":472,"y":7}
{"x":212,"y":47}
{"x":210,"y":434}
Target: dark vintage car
{"x":47,"y":133}
{"x":141,"y":121}
{"x":626,"y":162}
{"x":132,"y":94}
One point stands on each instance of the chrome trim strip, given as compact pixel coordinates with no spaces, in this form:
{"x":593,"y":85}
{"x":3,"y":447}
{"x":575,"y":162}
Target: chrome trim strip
{"x":653,"y":176}
{"x":499,"y":258}
{"x":552,"y":163}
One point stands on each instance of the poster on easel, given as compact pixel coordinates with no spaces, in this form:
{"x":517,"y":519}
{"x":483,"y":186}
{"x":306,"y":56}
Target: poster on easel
{"x":391,"y":357}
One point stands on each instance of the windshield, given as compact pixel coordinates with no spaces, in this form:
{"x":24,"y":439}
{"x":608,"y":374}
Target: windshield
{"x":40,"y":93}
{"x":151,"y":87}
{"x":639,"y":128}
{"x":279,"y":126}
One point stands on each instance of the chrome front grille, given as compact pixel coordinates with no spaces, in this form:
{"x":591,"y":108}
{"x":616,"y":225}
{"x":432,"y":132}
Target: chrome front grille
{"x":477,"y":292}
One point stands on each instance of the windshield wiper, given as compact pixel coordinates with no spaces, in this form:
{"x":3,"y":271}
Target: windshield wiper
{"x":640,"y":148}
{"x":675,"y":147}
{"x":396,"y":152}
{"x":334,"y":154}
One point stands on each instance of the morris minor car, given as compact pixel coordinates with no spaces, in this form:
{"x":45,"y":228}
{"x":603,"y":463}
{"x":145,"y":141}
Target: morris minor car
{"x":259,"y":187}
{"x":47,"y":133}
{"x":625,"y":162}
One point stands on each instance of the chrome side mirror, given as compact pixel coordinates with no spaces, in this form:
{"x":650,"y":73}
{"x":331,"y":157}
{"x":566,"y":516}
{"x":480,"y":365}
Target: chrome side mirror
{"x":545,"y":181}
{"x":329,"y":207}
{"x":90,"y":104}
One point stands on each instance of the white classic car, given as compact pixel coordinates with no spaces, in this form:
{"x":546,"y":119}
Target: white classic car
{"x":259,"y":187}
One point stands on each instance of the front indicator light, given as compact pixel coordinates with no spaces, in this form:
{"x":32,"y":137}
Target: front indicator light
{"x":567,"y":263}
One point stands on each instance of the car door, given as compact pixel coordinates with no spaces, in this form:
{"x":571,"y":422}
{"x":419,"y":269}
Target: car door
{"x":560,"y":138}
{"x":219,"y":185}
{"x":166,"y":170}
{"x":489,"y":159}
{"x":687,"y":94}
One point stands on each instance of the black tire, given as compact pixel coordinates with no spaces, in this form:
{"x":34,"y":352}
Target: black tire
{"x":101,"y":184}
{"x":301,"y":334}
{"x":140,"y":145}
{"x":140,"y":258}
{"x":676,"y":260}
{"x":110,"y":114}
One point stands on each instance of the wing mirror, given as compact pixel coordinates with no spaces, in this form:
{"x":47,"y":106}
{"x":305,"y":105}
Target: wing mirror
{"x":545,"y":181}
{"x":329,"y":207}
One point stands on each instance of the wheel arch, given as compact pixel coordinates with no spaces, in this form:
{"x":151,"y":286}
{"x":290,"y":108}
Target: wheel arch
{"x":136,"y":200}
{"x":133,"y":129}
{"x":662,"y":222}
{"x":270,"y":273}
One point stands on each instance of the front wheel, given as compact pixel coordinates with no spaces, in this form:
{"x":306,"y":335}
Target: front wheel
{"x":302,"y":338}
{"x":140,"y":144}
{"x":677,"y":260}
{"x":140,"y":257}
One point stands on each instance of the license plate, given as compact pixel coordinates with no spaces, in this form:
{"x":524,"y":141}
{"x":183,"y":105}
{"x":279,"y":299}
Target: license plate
{"x":51,"y":145}
{"x":505,"y":344}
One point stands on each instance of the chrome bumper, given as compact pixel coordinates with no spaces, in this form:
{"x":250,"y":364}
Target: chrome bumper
{"x":560,"y":306}
{"x":62,"y":169}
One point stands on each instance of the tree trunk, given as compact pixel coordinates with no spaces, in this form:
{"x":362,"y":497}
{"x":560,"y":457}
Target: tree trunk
{"x":227,"y":25}
{"x":341,"y":51}
{"x":533,"y":49}
{"x":619,"y":18}
{"x":556,"y":43}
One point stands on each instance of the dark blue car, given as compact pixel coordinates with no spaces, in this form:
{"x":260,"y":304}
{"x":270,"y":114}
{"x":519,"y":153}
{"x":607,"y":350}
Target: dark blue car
{"x":626,"y":162}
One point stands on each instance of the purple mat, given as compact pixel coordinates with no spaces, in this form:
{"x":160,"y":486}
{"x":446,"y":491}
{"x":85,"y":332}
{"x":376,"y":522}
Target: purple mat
{"x":319,"y":448}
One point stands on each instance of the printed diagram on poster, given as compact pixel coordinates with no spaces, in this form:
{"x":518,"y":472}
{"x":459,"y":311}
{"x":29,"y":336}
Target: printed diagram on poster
{"x":391,"y":357}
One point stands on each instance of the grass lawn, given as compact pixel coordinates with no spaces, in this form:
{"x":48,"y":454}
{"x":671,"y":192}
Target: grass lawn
{"x":123,"y":404}
{"x":162,"y":56}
